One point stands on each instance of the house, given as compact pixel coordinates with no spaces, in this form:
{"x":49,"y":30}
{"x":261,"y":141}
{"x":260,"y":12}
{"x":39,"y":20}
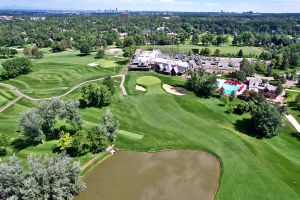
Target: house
{"x":258,"y":85}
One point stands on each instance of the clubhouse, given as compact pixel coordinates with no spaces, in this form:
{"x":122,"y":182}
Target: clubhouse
{"x":178,"y":64}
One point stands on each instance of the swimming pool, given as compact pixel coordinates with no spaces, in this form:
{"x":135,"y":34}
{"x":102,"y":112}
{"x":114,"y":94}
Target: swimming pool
{"x":228,"y":89}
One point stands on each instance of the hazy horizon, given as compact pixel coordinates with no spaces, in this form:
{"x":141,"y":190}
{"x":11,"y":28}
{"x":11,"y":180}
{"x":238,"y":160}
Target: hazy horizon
{"x":267,"y":6}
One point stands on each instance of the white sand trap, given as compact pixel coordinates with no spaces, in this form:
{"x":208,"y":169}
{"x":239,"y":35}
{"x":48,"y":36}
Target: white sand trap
{"x":179,"y":91}
{"x":114,"y":51}
{"x":140,"y":88}
{"x":93,"y":64}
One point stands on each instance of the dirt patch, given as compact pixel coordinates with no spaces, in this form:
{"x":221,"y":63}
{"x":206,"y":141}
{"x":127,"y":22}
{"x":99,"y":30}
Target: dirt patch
{"x":140,"y":88}
{"x":179,"y":91}
{"x":114,"y":51}
{"x":138,"y":175}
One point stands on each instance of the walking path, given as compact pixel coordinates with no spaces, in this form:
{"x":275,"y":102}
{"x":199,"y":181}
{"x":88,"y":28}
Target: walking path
{"x":10,"y":104}
{"x":20,"y":94}
{"x":292,"y":90}
{"x":294,"y":122}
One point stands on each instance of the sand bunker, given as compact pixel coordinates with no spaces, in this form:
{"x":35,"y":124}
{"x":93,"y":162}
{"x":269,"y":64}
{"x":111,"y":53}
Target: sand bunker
{"x":114,"y":51}
{"x":93,"y":64}
{"x":140,"y":88}
{"x":179,"y":91}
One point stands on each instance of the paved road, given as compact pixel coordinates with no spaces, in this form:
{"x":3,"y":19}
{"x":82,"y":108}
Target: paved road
{"x":21,"y":94}
{"x":294,"y":122}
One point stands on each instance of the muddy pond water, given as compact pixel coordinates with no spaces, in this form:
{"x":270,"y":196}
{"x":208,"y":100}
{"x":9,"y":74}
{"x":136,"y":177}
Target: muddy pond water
{"x":167,"y":175}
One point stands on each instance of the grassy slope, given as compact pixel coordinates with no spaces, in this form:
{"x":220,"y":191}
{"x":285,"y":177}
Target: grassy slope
{"x":57,"y":73}
{"x":252,"y":169}
{"x":6,"y":95}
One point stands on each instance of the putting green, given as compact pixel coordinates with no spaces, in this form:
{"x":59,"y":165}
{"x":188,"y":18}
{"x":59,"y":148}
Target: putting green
{"x":148,"y":80}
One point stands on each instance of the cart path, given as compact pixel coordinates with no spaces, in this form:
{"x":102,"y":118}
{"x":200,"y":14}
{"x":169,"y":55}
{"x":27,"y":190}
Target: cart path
{"x":21,"y":94}
{"x":294,"y":122}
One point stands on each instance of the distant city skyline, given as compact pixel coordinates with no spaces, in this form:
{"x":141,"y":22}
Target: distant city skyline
{"x":267,"y":6}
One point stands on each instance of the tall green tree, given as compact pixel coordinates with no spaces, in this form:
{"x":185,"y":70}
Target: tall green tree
{"x":266,"y":119}
{"x":96,"y":95}
{"x":203,"y":84}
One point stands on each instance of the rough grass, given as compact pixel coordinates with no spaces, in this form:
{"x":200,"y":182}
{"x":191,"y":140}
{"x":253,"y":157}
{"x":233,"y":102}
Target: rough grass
{"x":57,"y":73}
{"x":226,"y":49}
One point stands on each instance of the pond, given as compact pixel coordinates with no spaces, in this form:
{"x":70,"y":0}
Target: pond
{"x":163,"y":175}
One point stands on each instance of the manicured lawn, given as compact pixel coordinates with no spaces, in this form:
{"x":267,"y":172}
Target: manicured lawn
{"x":57,"y":73}
{"x":251,"y":168}
{"x":291,"y":105}
{"x":148,"y":80}
{"x":6,"y":95}
{"x":226,"y":49}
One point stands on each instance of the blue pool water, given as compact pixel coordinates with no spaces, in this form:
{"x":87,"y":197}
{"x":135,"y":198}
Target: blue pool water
{"x":227,"y":87}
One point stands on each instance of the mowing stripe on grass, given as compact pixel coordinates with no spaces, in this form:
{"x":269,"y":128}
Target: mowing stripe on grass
{"x":131,"y":135}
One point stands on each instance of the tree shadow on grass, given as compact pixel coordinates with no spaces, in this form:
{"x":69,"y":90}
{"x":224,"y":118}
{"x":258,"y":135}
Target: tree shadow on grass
{"x":82,"y":55}
{"x":20,"y":144}
{"x":296,"y":135}
{"x":246,"y":127}
{"x":122,"y":62}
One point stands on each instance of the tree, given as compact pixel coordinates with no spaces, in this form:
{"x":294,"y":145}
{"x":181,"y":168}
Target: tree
{"x":98,"y":139}
{"x":295,"y":59}
{"x":30,"y":124}
{"x":27,"y":52}
{"x":15,"y":67}
{"x":109,"y":82}
{"x":36,"y":53}
{"x":129,"y":51}
{"x":285,"y":62}
{"x":38,"y":123}
{"x":3,"y":144}
{"x":247,"y":67}
{"x":217,"y":52}
{"x":265,"y":119}
{"x":205,"y":51}
{"x":279,"y":88}
{"x":11,"y":178}
{"x":100,"y":53}
{"x":96,"y":95}
{"x":55,"y":177}
{"x":110,"y":124}
{"x":64,"y":142}
{"x":298,"y":101}
{"x":57,"y":47}
{"x":80,"y":144}
{"x":128,"y":41}
{"x":195,"y":39}
{"x":240,"y":53}
{"x":224,"y":99}
{"x":85,"y":47}
{"x":201,"y":83}
{"x":247,"y":38}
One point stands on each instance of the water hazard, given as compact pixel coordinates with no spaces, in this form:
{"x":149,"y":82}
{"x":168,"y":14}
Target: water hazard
{"x":175,"y":175}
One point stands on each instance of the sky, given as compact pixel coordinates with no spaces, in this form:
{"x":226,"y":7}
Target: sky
{"x":270,"y":6}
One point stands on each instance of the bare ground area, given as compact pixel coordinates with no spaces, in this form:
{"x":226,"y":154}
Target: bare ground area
{"x":179,"y":91}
